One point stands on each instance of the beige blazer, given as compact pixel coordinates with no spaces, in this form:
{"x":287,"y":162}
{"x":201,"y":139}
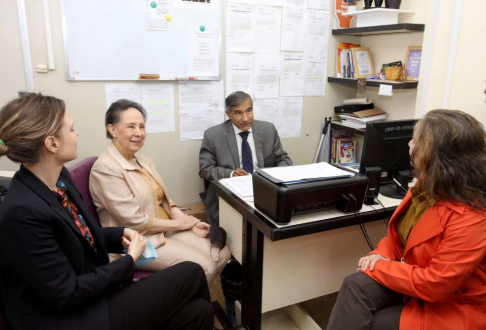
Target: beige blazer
{"x":121,"y":195}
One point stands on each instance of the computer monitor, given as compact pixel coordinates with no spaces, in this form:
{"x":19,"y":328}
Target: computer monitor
{"x":386,"y":146}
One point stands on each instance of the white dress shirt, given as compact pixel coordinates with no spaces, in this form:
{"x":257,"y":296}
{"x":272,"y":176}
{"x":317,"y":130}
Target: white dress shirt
{"x":251,"y":142}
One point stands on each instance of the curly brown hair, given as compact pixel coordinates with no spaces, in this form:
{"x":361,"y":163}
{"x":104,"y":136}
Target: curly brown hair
{"x":450,"y":157}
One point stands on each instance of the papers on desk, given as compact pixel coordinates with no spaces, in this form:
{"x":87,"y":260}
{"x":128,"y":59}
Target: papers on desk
{"x":241,"y":185}
{"x":303,"y":173}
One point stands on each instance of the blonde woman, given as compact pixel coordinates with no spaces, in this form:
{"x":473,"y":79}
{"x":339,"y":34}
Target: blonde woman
{"x":54,"y":266}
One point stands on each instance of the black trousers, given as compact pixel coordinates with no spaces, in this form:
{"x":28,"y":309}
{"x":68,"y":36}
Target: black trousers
{"x":174,"y":298}
{"x":362,"y":303}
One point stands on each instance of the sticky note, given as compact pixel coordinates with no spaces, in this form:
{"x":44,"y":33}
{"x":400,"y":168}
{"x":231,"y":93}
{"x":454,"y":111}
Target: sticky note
{"x":202,"y":28}
{"x":153,"y":4}
{"x":168,"y":17}
{"x":386,"y":90}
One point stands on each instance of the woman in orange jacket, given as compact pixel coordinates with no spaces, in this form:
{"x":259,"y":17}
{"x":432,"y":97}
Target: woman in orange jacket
{"x":429,"y":272}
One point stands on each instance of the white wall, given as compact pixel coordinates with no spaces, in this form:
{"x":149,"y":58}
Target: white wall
{"x":468,"y":70}
{"x":178,"y":161}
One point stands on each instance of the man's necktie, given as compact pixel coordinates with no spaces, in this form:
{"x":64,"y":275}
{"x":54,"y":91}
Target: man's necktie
{"x":246,"y":157}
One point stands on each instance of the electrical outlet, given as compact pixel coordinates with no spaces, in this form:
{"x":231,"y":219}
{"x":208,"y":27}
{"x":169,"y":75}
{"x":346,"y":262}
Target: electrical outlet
{"x":41,"y":68}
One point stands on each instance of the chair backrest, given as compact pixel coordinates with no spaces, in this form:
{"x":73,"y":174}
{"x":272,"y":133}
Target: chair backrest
{"x":80,"y":175}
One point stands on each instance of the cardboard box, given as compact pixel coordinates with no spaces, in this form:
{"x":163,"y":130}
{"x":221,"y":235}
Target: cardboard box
{"x":197,"y":210}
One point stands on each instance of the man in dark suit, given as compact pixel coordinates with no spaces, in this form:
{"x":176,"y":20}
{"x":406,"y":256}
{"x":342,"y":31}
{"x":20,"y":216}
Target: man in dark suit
{"x":237,"y":147}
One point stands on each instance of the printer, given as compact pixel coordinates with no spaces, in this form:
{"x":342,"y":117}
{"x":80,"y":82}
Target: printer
{"x":281,"y":201}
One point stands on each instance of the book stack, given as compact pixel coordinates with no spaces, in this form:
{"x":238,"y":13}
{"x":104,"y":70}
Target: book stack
{"x":343,"y":150}
{"x":344,"y":60}
{"x":359,"y":119}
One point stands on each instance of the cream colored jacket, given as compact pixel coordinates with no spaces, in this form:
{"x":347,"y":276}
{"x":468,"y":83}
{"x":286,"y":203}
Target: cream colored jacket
{"x":121,"y":195}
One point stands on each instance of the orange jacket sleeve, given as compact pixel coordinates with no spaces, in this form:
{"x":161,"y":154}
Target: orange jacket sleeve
{"x":447,"y":260}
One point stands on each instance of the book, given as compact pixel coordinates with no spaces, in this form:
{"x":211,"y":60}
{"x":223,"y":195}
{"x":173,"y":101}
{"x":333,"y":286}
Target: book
{"x":363,"y":117}
{"x":346,"y":152}
{"x":353,"y":125}
{"x":341,"y":56}
{"x":335,"y":144}
{"x":363,"y":120}
{"x":350,"y":108}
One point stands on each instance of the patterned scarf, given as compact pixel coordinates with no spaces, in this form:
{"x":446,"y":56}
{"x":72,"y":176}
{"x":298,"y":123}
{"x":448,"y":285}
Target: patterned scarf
{"x":73,"y":211}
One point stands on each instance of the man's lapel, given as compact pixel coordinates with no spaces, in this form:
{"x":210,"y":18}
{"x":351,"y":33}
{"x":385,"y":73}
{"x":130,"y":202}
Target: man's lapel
{"x":231,"y":139}
{"x":258,"y":139}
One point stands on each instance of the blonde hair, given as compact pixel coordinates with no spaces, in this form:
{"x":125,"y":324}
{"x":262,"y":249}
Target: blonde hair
{"x":26,"y":122}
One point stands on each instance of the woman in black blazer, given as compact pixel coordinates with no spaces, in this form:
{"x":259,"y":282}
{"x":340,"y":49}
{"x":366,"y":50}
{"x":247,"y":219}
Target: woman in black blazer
{"x":55,"y":272}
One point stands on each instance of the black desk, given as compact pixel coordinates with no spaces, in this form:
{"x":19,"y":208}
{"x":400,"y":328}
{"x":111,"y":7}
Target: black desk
{"x":257,"y":231}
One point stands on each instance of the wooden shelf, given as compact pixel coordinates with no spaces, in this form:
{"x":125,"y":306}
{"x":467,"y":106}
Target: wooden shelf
{"x":348,"y":129}
{"x":375,"y":83}
{"x":380,"y":29}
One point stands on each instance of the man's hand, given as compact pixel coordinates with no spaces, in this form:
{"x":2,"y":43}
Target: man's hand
{"x":240,"y":172}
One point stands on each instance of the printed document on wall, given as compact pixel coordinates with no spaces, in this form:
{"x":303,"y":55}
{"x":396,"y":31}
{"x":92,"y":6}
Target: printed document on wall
{"x":318,"y":23}
{"x":203,"y":52}
{"x":267,"y":76}
{"x":292,"y":74}
{"x":316,"y":46}
{"x":201,"y":106}
{"x":319,"y":4}
{"x":274,"y":3}
{"x":193,"y":5}
{"x":266,"y":110}
{"x":115,"y":92}
{"x":156,"y":15}
{"x":158,"y":100}
{"x":315,"y":66}
{"x":240,"y":29}
{"x":267,"y":29}
{"x":293,"y":27}
{"x":295,"y":3}
{"x":290,"y":117}
{"x":239,"y":73}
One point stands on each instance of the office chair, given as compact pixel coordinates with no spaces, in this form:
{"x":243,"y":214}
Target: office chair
{"x":80,"y":175}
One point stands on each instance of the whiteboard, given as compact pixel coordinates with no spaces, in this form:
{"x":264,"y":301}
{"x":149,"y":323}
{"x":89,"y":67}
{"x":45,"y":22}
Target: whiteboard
{"x":108,"y":40}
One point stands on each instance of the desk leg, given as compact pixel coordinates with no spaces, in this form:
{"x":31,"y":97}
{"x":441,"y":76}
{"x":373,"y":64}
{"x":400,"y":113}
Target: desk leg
{"x":251,"y":304}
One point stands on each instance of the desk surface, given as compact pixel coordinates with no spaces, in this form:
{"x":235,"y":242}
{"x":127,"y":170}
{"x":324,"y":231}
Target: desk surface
{"x":307,"y":223}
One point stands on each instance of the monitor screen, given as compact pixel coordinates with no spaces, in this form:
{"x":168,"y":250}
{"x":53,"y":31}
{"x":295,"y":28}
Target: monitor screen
{"x":386,"y":146}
